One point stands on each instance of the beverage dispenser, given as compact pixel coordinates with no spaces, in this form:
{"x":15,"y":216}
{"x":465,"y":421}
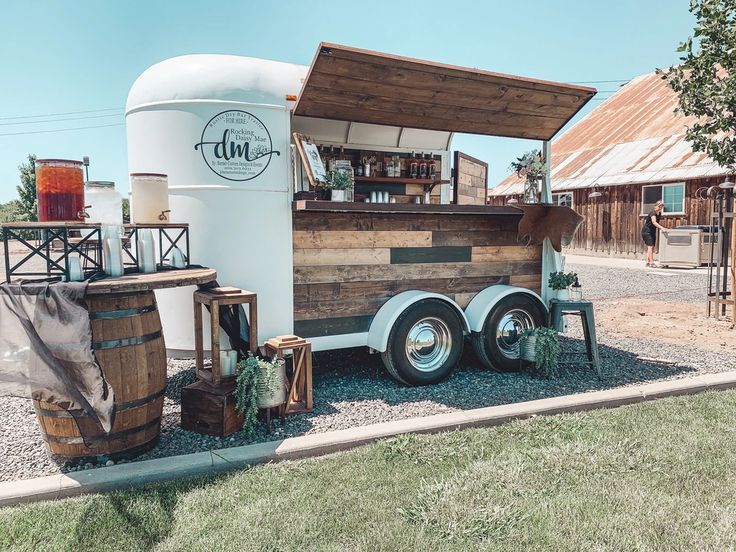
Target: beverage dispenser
{"x":59,"y":190}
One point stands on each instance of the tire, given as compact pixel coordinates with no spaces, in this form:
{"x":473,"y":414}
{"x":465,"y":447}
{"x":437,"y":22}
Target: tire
{"x":498,"y":349}
{"x":438,"y":326}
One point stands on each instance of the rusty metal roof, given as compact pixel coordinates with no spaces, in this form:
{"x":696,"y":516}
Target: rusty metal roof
{"x":635,"y":136}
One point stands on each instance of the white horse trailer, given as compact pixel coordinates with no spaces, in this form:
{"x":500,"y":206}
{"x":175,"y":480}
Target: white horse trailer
{"x":409,"y":280}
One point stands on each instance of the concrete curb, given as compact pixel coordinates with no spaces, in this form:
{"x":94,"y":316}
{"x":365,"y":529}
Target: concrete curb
{"x":189,"y":465}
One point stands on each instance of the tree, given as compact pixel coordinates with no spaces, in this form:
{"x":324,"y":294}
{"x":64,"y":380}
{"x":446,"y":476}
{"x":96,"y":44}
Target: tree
{"x":9,"y":211}
{"x":126,"y":210}
{"x":705,"y":81}
{"x":27,"y":206}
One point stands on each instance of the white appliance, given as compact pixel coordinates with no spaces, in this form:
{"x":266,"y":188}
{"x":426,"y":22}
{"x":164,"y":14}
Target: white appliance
{"x":710,"y":234}
{"x":681,"y":248}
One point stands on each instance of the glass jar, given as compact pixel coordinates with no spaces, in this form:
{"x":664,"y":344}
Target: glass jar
{"x":150,"y":198}
{"x":105,"y":204}
{"x":59,"y":190}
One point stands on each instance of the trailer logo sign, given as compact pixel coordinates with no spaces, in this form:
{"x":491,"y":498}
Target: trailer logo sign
{"x":236,"y":145}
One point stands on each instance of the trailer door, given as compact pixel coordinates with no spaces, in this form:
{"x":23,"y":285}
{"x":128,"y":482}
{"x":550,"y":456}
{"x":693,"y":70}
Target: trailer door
{"x":470,"y":180}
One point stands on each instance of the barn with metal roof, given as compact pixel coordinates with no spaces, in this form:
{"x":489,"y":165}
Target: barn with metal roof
{"x":632,"y":151}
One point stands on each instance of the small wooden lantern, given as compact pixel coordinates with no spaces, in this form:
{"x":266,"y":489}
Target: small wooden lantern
{"x":214,"y":299}
{"x":299,"y":397}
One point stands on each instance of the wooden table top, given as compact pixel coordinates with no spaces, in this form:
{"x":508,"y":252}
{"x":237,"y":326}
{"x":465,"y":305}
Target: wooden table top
{"x":156,"y":280}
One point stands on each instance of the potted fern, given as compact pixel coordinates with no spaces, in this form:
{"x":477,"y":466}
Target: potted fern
{"x":340,"y":182}
{"x":560,"y":283}
{"x":541,"y":347}
{"x":271,"y":383}
{"x":260,"y":383}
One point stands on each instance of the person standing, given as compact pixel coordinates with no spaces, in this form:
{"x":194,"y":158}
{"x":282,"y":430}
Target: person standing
{"x":649,"y":231}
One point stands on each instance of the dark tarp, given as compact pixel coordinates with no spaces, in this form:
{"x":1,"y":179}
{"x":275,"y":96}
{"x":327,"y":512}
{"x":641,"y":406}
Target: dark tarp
{"x":46,"y":352}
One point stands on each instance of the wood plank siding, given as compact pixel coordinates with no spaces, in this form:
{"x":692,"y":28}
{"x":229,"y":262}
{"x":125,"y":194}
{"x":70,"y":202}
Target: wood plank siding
{"x":613,"y":222}
{"x":347,"y":265}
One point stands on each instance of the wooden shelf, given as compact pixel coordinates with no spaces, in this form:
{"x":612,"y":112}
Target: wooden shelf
{"x":434,"y":208}
{"x":396,"y":180}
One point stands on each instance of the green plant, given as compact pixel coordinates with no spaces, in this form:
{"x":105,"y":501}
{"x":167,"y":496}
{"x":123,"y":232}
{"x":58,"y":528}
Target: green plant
{"x":268,"y":374}
{"x":27,"y":208}
{"x":255,"y":375}
{"x":559,"y":280}
{"x":532,"y":167}
{"x":705,"y":80}
{"x":546,"y":350}
{"x":246,"y":391}
{"x":340,"y":180}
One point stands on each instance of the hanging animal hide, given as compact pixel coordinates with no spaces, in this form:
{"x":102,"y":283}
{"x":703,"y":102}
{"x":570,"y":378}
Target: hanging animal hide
{"x":557,"y":223}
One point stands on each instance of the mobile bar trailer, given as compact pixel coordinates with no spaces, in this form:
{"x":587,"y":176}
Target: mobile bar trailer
{"x":411,"y":279}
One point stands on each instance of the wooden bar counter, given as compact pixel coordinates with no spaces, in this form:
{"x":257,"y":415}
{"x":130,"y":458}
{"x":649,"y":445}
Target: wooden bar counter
{"x":350,"y":258}
{"x":129,"y":346}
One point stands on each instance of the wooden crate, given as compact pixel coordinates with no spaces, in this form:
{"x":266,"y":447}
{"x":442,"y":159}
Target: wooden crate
{"x":210,"y":409}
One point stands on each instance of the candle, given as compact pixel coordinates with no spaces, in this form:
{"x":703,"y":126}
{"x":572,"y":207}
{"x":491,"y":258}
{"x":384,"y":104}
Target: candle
{"x":224,"y":364}
{"x":233,"y":358}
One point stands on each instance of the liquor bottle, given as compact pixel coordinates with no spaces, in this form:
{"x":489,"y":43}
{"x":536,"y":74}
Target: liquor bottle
{"x":432,"y":167}
{"x":413,"y":166}
{"x":423,"y":167}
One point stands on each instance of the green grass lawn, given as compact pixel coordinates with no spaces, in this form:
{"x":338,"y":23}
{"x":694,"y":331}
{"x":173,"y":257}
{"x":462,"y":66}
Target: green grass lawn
{"x":655,"y":476}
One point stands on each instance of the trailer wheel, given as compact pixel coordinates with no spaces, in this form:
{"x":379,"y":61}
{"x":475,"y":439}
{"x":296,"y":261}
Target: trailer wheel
{"x":497,"y":344}
{"x":425,"y":343}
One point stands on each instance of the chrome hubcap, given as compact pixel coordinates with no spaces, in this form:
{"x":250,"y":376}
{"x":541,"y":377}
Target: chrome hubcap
{"x":428,"y":344}
{"x":509,"y":331}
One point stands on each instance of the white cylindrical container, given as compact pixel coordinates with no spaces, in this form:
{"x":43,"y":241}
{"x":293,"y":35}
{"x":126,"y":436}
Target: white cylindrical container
{"x":75,"y":269}
{"x":105,"y":204}
{"x":150,"y":193}
{"x":219,"y":127}
{"x":146,"y":251}
{"x":112,"y":252}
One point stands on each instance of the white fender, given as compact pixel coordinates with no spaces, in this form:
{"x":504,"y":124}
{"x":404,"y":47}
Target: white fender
{"x":384,"y":319}
{"x":482,"y":304}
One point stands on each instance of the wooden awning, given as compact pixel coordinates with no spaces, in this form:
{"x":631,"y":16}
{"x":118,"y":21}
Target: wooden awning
{"x":362,"y":86}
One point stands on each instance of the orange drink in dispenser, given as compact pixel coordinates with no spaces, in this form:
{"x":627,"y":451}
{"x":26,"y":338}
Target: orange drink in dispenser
{"x":59,"y":190}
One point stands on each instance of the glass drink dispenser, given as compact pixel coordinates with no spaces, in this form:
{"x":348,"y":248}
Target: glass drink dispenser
{"x":105,"y":204}
{"x":59,"y":190}
{"x":150,"y":198}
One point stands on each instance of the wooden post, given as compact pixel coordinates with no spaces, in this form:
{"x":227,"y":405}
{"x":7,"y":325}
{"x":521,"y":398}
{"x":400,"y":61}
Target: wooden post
{"x":733,"y":272}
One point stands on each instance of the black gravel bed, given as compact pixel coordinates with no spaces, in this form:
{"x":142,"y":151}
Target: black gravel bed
{"x":351,"y":388}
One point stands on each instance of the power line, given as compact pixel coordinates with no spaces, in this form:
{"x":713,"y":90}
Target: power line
{"x":600,"y":81}
{"x":59,"y":130}
{"x":59,"y":114}
{"x":64,"y":119}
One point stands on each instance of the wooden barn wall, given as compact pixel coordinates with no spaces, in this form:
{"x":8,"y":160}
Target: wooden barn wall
{"x":613,"y":222}
{"x":347,"y":265}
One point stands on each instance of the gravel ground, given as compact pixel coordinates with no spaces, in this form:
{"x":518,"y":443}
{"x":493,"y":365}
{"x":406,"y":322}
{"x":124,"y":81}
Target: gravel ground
{"x":352,"y":389}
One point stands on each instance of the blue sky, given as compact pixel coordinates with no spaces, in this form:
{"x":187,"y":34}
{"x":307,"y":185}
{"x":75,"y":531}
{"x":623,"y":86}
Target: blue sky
{"x":71,"y":56}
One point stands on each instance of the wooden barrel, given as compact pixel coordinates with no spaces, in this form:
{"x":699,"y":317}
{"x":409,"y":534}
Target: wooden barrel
{"x":129,"y":346}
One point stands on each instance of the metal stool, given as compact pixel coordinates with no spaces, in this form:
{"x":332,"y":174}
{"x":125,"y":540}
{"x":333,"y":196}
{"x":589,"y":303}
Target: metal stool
{"x":583,"y":309}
